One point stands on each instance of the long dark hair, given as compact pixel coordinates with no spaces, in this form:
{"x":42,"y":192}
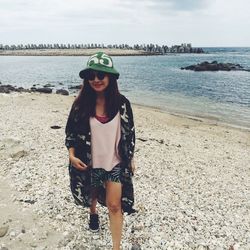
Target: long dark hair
{"x":85,"y":102}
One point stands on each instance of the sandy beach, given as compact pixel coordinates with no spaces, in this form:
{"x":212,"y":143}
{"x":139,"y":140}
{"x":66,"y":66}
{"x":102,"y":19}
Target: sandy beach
{"x":192,"y":186}
{"x":73,"y":52}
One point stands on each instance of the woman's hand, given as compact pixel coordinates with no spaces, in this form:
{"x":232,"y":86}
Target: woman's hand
{"x":77,"y":163}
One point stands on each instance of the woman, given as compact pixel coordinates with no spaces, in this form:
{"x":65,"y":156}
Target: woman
{"x":100,"y":137}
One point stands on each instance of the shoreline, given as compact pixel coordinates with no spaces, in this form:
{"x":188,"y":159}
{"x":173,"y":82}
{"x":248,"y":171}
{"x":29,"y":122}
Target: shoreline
{"x":191,"y":181}
{"x":206,"y":119}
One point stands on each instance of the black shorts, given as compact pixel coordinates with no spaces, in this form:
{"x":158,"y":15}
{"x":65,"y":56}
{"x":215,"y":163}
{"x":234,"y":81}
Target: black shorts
{"x":99,"y":176}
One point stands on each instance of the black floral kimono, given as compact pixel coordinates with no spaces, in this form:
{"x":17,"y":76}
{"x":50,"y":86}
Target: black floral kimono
{"x":78,"y":136}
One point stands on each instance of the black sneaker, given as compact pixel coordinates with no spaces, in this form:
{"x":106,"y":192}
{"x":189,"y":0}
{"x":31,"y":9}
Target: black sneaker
{"x":94,"y":223}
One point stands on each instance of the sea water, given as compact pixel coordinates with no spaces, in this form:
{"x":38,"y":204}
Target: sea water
{"x":155,"y":81}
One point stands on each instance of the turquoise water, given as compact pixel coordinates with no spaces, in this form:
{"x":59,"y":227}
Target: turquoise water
{"x":154,"y":81}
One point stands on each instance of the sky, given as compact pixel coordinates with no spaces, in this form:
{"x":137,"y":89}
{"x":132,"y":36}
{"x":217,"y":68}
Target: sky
{"x":203,"y":23}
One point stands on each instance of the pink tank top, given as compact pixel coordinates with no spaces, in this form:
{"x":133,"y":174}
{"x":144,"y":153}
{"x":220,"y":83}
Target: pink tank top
{"x":102,"y":119}
{"x":105,"y":138}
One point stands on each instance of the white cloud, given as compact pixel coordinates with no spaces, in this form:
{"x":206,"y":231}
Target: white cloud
{"x":202,"y":22}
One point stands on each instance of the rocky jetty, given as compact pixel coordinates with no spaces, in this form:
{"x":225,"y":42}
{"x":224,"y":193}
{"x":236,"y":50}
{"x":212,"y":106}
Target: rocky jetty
{"x":90,"y":49}
{"x":215,"y":66}
{"x":62,"y":92}
{"x":43,"y":90}
{"x":9,"y":88}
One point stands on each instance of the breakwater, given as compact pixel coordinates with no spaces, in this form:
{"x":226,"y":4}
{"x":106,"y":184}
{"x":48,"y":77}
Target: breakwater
{"x":88,"y":49}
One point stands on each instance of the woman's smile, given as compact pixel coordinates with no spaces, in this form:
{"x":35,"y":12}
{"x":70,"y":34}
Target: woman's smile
{"x":98,"y":84}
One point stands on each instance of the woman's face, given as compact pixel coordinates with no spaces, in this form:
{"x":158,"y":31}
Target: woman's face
{"x":98,"y":81}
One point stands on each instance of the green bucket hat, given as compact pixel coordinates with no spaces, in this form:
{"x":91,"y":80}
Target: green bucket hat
{"x":100,"y":62}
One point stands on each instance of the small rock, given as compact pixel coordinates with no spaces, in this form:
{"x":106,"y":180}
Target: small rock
{"x":59,"y":217}
{"x":12,"y":234}
{"x":62,"y":92}
{"x":44,"y":90}
{"x":29,"y":201}
{"x":19,"y":154}
{"x":55,"y":127}
{"x":48,"y":85}
{"x":95,"y":237}
{"x":141,"y":139}
{"x":3,"y":230}
{"x":44,"y":235}
{"x":202,"y":247}
{"x":137,"y":227}
{"x":66,"y":233}
{"x":4,"y":248}
{"x":136,"y":246}
{"x":33,"y":89}
{"x":33,"y":245}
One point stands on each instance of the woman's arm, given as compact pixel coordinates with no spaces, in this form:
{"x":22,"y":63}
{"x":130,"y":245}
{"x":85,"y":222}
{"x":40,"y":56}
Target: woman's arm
{"x":71,"y":153}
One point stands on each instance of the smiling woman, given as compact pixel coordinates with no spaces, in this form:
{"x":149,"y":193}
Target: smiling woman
{"x":100,"y":137}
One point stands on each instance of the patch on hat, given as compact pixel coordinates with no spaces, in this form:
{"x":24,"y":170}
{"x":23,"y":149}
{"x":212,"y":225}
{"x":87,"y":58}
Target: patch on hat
{"x":100,"y":58}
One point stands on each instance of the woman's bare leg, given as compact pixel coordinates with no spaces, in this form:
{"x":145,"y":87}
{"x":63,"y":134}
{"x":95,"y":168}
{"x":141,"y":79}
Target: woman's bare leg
{"x":93,"y":217}
{"x":113,"y":201}
{"x":94,"y":193}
